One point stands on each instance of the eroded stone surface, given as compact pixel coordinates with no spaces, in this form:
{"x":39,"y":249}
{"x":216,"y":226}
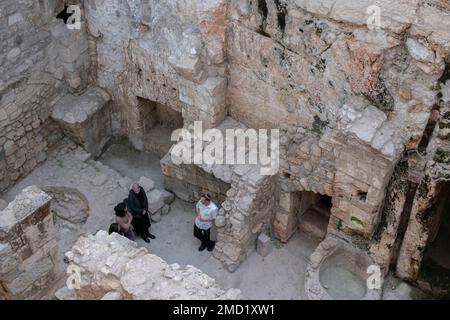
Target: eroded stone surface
{"x":29,"y":260}
{"x":114,"y":267}
{"x":354,"y":102}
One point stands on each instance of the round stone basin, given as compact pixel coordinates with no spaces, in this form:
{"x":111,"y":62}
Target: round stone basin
{"x":343,"y":276}
{"x":338,"y":271}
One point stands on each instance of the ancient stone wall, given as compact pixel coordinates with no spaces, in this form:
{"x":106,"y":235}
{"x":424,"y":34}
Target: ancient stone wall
{"x":114,"y":266}
{"x":246,"y":198}
{"x":86,"y":119}
{"x":169,"y":52}
{"x":432,"y":192}
{"x":353,"y":99}
{"x":29,"y":261}
{"x":39,"y":60}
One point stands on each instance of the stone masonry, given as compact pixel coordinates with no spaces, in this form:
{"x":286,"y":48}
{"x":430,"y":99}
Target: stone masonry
{"x":363,"y":110}
{"x":40,"y":60}
{"x":114,"y":266}
{"x":29,"y":252}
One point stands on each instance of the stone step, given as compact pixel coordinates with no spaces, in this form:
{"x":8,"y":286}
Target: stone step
{"x":314,"y":223}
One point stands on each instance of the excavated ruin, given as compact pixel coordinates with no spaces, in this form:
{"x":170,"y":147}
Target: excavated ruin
{"x":360,"y":94}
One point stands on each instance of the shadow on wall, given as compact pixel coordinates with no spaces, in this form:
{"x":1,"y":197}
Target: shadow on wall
{"x":435,"y":269}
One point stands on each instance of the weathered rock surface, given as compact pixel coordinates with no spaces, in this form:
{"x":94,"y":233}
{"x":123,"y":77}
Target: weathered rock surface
{"x":86,"y":118}
{"x":114,"y":267}
{"x":28,"y":248}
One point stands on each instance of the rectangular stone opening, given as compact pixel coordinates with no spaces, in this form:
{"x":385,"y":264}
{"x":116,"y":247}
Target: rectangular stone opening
{"x":435,"y":269}
{"x":157,"y":122}
{"x":189,"y":182}
{"x":313,"y":213}
{"x":305,"y":211}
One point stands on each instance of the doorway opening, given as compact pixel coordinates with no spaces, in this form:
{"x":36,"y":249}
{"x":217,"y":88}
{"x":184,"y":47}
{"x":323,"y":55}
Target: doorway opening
{"x":314,"y":213}
{"x":157,"y":122}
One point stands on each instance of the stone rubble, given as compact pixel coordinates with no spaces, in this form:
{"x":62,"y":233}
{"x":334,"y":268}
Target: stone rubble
{"x":114,"y":268}
{"x":363,"y":112}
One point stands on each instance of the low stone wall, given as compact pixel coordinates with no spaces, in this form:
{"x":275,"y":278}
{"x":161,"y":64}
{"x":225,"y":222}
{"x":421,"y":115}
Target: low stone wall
{"x":28,"y":248}
{"x":246,"y":198}
{"x":345,"y":256}
{"x":113,"y":267}
{"x":188,"y":182}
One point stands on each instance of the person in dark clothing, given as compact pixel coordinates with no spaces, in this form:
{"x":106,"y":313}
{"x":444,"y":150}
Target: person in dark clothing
{"x":137,"y":205}
{"x":114,"y":228}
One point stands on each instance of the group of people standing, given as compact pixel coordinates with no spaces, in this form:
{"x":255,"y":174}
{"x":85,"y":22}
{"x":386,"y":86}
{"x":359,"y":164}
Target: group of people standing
{"x":132,"y":216}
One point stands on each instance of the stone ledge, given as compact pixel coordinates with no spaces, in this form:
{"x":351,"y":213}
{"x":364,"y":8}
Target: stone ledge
{"x":112,"y":263}
{"x":26,"y":203}
{"x":77,"y":109}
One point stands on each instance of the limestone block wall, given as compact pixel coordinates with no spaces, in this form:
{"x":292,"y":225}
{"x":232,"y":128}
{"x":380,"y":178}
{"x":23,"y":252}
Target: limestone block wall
{"x":29,"y":261}
{"x":169,"y":52}
{"x":246,"y":213}
{"x":86,"y":119}
{"x":113,"y":265}
{"x":188,"y":182}
{"x":352,"y":99}
{"x":297,"y":63}
{"x":338,"y":166}
{"x":285,"y":215}
{"x":246,"y":198}
{"x":432,"y":190}
{"x":38,"y":60}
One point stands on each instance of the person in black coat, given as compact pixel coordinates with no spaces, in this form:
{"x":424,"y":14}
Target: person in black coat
{"x":137,"y":205}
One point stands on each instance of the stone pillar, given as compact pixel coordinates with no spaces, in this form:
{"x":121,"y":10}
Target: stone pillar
{"x":417,"y":233}
{"x":285,"y":222}
{"x":382,"y":249}
{"x":28,"y":248}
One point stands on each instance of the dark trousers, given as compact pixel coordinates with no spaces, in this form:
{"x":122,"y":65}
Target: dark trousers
{"x":128,"y":234}
{"x":203,"y":236}
{"x":141,"y":224}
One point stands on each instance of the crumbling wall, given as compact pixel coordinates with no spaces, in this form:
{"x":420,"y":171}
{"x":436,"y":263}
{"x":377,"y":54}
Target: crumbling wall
{"x":352,"y":98}
{"x":111,"y":264}
{"x":433,"y":187}
{"x":245,"y":195}
{"x":29,"y":261}
{"x":169,"y":52}
{"x":39,"y":60}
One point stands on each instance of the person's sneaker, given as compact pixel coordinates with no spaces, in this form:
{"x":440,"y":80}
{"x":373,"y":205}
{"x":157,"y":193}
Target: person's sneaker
{"x":151,"y":236}
{"x":202,"y":248}
{"x":211,"y":247}
{"x":146,"y":239}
